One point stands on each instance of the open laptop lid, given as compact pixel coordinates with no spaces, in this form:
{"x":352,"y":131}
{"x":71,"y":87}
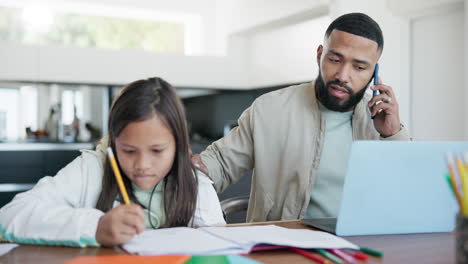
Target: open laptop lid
{"x":397,"y":187}
{"x":327,"y":224}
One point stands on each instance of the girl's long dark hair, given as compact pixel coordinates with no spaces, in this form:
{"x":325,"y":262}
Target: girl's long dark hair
{"x":138,"y":101}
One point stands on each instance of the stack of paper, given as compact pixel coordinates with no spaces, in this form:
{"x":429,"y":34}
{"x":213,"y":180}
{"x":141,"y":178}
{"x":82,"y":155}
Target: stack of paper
{"x":228,"y":240}
{"x":6,"y":247}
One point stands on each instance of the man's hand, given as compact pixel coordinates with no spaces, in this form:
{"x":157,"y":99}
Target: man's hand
{"x":120,"y":224}
{"x":385,"y":113}
{"x":198,"y":163}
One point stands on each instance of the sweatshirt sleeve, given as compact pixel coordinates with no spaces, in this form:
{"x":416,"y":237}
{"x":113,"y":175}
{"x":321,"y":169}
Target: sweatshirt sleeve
{"x":208,"y":209}
{"x":58,"y":210}
{"x":230,"y":157}
{"x":401,"y":135}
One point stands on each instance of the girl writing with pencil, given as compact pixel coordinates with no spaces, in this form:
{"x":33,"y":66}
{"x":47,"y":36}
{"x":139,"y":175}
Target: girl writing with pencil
{"x":83,"y":205}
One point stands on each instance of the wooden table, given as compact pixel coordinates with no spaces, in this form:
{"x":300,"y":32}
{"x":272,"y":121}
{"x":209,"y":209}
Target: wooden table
{"x":414,"y":248}
{"x":437,"y":248}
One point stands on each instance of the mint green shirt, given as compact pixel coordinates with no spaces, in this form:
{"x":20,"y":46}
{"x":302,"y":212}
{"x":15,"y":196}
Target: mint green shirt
{"x":158,"y":216}
{"x":325,"y":196}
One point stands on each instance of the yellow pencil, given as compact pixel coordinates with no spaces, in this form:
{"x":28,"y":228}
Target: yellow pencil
{"x":118,"y":176}
{"x":465,"y":162}
{"x":453,"y":177}
{"x":464,"y":169}
{"x":464,"y":183}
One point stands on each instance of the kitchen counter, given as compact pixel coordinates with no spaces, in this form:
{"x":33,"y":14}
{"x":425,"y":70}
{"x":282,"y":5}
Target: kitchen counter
{"x":41,"y":146}
{"x":24,"y":163}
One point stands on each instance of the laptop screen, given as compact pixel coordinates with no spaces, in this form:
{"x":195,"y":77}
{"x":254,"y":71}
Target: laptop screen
{"x":394,"y":187}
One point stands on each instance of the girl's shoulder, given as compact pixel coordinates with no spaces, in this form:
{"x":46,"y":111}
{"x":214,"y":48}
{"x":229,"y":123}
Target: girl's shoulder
{"x":208,"y":211}
{"x":93,"y":158}
{"x":203,"y":179}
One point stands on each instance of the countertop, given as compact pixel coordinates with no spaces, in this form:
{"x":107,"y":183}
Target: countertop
{"x":39,"y":146}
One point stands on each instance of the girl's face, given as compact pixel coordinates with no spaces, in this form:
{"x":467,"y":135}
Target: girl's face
{"x":146,"y":151}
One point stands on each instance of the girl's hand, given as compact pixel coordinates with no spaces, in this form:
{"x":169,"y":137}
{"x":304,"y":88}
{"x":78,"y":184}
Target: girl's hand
{"x":120,"y":224}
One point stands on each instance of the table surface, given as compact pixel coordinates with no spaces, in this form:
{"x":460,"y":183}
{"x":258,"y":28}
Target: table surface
{"x":409,"y":248}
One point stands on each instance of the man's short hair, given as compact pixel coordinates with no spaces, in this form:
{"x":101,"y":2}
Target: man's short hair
{"x":358,"y":24}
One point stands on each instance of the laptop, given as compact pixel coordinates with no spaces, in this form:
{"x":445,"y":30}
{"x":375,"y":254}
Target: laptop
{"x":395,"y":187}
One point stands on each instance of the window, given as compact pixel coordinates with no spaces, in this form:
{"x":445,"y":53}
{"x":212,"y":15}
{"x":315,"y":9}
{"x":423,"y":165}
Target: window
{"x":18,"y":111}
{"x":41,"y":26}
{"x":9,"y":114}
{"x":28,"y":107}
{"x":52,"y":112}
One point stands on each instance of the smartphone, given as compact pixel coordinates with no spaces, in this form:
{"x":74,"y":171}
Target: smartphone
{"x":376,"y":79}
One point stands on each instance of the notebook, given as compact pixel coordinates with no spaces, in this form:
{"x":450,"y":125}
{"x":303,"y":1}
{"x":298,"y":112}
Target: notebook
{"x":395,"y":187}
{"x":228,"y":240}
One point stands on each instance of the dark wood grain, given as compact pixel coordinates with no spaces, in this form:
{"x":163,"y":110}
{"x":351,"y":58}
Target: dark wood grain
{"x":52,"y":254}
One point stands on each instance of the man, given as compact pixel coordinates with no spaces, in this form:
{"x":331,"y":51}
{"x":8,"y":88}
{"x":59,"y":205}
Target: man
{"x":297,"y":140}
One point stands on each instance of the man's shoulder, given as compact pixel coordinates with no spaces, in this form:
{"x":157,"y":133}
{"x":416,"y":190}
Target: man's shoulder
{"x":283,"y":95}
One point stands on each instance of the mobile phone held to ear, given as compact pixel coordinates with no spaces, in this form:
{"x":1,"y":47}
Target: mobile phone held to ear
{"x":376,"y":78}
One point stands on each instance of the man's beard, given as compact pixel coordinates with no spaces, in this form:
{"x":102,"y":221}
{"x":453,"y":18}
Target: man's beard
{"x":334,"y":103}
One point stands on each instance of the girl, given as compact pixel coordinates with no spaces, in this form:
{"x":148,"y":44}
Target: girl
{"x":82,"y":206}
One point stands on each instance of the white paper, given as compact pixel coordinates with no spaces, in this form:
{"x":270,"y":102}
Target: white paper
{"x":6,"y":247}
{"x":228,"y":240}
{"x":180,"y":240}
{"x":281,"y":236}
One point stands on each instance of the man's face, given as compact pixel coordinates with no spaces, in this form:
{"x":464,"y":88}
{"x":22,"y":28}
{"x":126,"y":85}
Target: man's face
{"x":346,"y":65}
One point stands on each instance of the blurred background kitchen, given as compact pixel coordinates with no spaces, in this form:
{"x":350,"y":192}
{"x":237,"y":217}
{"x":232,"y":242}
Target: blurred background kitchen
{"x":65,"y":60}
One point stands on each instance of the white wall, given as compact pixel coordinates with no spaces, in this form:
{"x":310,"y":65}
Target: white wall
{"x":20,"y":62}
{"x":437,"y":45}
{"x":242,"y":17}
{"x":466,"y":68}
{"x":245,"y":15}
{"x":286,"y":54}
{"x":438,"y":95}
{"x":420,"y":8}
{"x":99,"y":66}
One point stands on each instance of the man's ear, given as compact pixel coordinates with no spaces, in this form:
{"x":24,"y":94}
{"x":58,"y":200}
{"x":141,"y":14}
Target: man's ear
{"x":319,"y":53}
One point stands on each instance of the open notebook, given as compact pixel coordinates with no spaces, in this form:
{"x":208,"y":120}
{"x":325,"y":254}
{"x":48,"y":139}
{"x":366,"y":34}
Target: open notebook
{"x":228,"y":240}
